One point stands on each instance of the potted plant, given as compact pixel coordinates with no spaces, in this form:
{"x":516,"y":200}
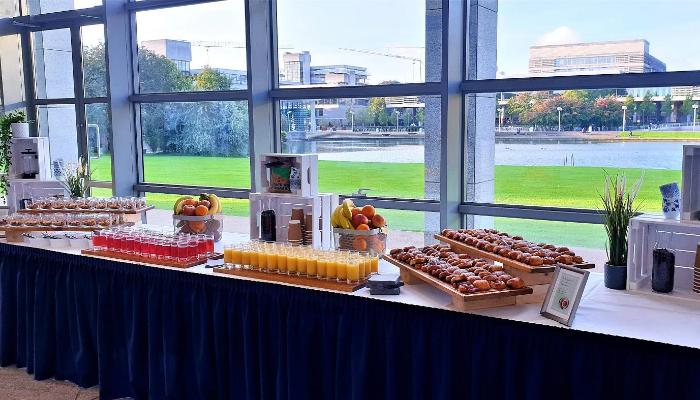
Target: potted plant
{"x":75,"y":178}
{"x":6,"y":133}
{"x":618,"y":209}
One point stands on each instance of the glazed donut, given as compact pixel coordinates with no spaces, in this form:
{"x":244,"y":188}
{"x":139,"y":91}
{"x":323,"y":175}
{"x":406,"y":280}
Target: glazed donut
{"x":535,"y":261}
{"x":482,"y":285}
{"x":516,"y":283}
{"x":498,"y":285}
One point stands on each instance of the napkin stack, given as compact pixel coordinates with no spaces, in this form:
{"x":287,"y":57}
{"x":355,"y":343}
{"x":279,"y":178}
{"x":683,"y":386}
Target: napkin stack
{"x":384,"y":284}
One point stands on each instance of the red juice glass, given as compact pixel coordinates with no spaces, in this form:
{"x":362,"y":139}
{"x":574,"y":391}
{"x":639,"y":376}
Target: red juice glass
{"x":182,"y":251}
{"x":129,"y":243}
{"x":192,"y":249}
{"x":201,"y":246}
{"x":210,"y":245}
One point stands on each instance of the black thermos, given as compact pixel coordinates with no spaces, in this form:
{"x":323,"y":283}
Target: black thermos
{"x":268,"y":226}
{"x":663,"y":265}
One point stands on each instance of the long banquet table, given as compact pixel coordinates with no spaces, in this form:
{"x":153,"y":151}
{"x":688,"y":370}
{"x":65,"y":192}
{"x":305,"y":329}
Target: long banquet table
{"x":163,"y":333}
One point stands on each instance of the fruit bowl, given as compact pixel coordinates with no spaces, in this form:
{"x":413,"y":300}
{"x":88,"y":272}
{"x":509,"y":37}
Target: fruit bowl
{"x":372,"y":241}
{"x":194,"y":224}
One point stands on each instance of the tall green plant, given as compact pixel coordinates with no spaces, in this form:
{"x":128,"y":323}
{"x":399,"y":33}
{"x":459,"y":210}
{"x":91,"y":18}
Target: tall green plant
{"x":618,"y":209}
{"x":5,"y":152}
{"x":76,"y":178}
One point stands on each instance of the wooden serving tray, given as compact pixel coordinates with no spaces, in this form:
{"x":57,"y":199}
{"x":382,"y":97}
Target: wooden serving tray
{"x":83,"y":211}
{"x":132,"y":257}
{"x":461,"y":301}
{"x":460,"y":247}
{"x":300,"y":280}
{"x":13,"y":234}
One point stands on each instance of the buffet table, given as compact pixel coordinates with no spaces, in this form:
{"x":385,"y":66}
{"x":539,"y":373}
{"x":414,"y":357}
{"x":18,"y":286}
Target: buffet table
{"x":163,"y":333}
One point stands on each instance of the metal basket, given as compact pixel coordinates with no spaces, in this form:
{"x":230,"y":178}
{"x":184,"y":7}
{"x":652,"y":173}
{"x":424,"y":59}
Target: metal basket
{"x":205,"y":224}
{"x":372,"y":241}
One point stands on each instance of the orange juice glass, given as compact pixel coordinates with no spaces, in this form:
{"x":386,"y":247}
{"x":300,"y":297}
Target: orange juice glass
{"x":342,"y":269}
{"x":332,"y":267}
{"x":282,"y":261}
{"x":321,"y":266}
{"x":245,"y":257}
{"x":236,"y":255}
{"x":374,"y":262}
{"x":312,"y":264}
{"x":228,"y":256}
{"x":292,"y":260}
{"x":354,"y":270}
{"x":272,"y":260}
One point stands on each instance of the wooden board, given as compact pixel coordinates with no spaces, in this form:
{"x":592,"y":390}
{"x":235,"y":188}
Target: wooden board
{"x":300,"y":280}
{"x":461,"y":301}
{"x":460,"y":247}
{"x":13,"y":234}
{"x":131,"y":257}
{"x":83,"y":211}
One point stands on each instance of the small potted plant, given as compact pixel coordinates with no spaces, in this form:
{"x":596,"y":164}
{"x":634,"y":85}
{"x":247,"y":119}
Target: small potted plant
{"x":75,"y":178}
{"x":8,"y":126}
{"x":618,"y":209}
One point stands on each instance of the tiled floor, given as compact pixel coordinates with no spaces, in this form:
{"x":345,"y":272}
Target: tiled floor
{"x":16,"y":384}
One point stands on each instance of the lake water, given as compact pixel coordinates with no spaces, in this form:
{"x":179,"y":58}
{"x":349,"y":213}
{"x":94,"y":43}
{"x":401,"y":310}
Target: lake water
{"x":650,"y":155}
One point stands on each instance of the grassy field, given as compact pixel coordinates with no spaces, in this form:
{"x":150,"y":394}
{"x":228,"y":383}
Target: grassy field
{"x":662,"y":135}
{"x":549,"y":186}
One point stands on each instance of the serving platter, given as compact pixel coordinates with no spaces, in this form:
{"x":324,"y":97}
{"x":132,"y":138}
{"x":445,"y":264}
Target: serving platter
{"x":538,"y":278}
{"x":460,"y":301}
{"x":300,"y":280}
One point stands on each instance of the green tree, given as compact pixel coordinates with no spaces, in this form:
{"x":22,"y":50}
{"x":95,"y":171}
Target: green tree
{"x":647,"y":107}
{"x":687,"y":107}
{"x":158,"y":74}
{"x":667,"y":107}
{"x":377,"y":111}
{"x":211,"y":79}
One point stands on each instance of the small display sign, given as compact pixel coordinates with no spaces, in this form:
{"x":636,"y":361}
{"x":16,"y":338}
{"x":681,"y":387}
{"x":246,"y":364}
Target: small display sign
{"x":564,"y":294}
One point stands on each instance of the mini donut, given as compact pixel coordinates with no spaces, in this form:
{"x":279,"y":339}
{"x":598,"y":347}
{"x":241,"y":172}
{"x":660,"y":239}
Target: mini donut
{"x":495,"y":268}
{"x":548,"y":261}
{"x":516,"y":283}
{"x":482,"y":285}
{"x":535,"y":261}
{"x":562,"y":249}
{"x":505,"y":277}
{"x":498,"y":285}
{"x":483,"y":274}
{"x":577,"y":260}
{"x":472,"y":279}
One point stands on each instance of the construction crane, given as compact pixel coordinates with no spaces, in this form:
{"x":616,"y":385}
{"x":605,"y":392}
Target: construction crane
{"x":208,"y":44}
{"x":414,"y":60}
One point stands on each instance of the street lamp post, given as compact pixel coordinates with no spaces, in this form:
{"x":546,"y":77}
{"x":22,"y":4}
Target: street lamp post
{"x":559,"y":109}
{"x":352,"y":121}
{"x":501,"y":111}
{"x":397,"y":120}
{"x":695,"y":115}
{"x":289,"y":121}
{"x":624,"y":117}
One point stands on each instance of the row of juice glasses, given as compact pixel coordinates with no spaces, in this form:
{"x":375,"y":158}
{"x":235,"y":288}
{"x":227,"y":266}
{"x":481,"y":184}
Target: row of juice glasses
{"x":283,"y":258}
{"x":146,"y":243}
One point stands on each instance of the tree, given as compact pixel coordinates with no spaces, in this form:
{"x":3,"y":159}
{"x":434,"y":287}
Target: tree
{"x":687,"y":107}
{"x":646,"y":107}
{"x":211,"y":79}
{"x":377,"y":111}
{"x":667,"y":107}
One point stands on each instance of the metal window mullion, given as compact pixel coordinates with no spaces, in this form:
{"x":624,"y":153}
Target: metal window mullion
{"x":532,"y":212}
{"x":145,"y":5}
{"x":79,"y":92}
{"x":603,"y":81}
{"x":403,"y":89}
{"x":28,"y":74}
{"x":186,"y":97}
{"x":235,"y":193}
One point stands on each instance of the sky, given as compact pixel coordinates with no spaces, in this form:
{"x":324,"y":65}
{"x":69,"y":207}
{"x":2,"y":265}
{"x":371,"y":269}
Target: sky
{"x":397,"y":27}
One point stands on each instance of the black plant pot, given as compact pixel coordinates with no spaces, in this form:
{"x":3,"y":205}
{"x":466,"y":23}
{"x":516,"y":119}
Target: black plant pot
{"x":615,"y":276}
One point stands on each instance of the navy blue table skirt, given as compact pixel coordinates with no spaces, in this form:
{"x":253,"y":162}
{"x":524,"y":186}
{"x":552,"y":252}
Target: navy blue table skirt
{"x":150,"y":333}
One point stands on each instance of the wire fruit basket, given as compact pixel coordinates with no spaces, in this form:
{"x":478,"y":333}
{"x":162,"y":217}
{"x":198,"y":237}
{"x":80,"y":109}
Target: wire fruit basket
{"x":194,"y":224}
{"x":372,"y":241}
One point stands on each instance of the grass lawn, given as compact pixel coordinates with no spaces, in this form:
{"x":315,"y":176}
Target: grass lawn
{"x":549,"y":186}
{"x":662,"y":134}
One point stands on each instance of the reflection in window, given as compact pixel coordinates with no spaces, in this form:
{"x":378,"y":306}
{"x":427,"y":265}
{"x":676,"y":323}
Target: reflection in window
{"x":58,"y":123}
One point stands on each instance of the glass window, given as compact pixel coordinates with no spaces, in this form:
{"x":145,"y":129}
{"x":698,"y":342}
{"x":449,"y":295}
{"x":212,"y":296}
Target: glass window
{"x":398,"y":43}
{"x":99,"y":141}
{"x":410,"y":228}
{"x":177,"y":55}
{"x":53,"y":64}
{"x":94,"y":61}
{"x":360,"y":145}
{"x":49,"y":6}
{"x":554,"y":148}
{"x":57,"y":122}
{"x":204,"y":143}
{"x":588,"y":37}
{"x":9,"y":8}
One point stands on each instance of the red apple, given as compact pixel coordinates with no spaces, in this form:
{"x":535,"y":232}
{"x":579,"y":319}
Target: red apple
{"x":188,"y":210}
{"x":358,"y":220}
{"x":204,"y":203}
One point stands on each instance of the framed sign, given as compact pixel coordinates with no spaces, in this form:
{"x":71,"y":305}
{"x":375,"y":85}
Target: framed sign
{"x":564,"y":294}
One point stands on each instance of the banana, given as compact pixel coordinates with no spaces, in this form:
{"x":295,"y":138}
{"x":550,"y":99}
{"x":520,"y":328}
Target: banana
{"x":348,"y":205}
{"x":215,"y":207}
{"x":335,"y":217}
{"x":177,"y":207}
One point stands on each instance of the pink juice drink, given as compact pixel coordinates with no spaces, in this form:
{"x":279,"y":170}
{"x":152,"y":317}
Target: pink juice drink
{"x":210,"y":245}
{"x":192,"y":249}
{"x":182,"y":251}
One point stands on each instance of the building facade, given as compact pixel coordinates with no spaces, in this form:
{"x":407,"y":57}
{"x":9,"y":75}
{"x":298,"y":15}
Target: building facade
{"x":614,"y":57}
{"x":177,"y":51}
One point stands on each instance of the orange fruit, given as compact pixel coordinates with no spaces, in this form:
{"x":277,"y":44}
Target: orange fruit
{"x":356,"y":211}
{"x":359,"y":243}
{"x":201,"y":210}
{"x":362,"y":227}
{"x":368,"y":211}
{"x":190,"y":202}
